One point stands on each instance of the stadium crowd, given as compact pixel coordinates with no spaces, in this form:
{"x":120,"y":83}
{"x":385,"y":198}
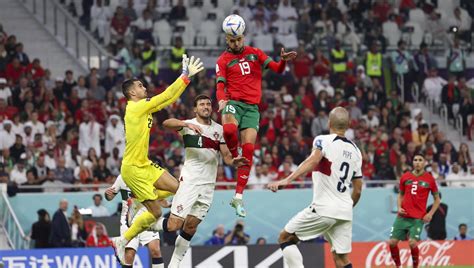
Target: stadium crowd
{"x":69,"y":130}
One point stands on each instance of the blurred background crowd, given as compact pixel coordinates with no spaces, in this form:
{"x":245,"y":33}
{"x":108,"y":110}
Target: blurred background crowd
{"x":378,"y":59}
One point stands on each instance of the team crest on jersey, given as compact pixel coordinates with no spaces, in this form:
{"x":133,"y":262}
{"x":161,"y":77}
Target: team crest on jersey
{"x":147,"y":99}
{"x":179,"y":208}
{"x":216,"y":135}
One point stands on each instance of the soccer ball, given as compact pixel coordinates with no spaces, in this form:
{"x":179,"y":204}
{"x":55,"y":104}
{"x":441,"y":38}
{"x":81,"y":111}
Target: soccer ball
{"x":233,"y":25}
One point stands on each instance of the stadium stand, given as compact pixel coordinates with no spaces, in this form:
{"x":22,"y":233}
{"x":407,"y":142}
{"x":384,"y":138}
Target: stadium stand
{"x":66,"y":130}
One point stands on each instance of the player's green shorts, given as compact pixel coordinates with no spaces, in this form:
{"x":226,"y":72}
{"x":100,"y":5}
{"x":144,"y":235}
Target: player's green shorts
{"x":403,"y":226}
{"x":247,"y":115}
{"x":141,"y":179}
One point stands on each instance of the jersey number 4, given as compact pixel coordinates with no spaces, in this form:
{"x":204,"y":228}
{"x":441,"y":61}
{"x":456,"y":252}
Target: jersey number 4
{"x":244,"y":67}
{"x":340,"y":185}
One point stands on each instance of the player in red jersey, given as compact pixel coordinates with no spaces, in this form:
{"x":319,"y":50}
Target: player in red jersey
{"x":239,"y":89}
{"x":415,"y":187}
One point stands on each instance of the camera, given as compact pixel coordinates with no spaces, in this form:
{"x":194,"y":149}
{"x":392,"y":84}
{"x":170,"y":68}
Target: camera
{"x":239,"y":227}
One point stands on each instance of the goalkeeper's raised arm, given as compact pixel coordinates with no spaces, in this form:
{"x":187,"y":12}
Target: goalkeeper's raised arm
{"x":135,"y":91}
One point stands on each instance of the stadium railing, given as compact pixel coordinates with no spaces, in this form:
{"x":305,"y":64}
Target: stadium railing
{"x":9,"y":222}
{"x":67,"y":31}
{"x":307,"y":184}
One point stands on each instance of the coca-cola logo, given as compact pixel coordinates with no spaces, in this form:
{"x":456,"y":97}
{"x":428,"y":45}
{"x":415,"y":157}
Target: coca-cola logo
{"x":432,"y":253}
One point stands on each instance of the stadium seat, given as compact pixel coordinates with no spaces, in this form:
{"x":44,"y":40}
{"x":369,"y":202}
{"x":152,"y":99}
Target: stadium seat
{"x":391,"y":32}
{"x":415,"y":37}
{"x":264,"y":42}
{"x":195,"y":15}
{"x":418,"y":16}
{"x":209,"y":31}
{"x":188,"y":34}
{"x":225,"y":6}
{"x":162,"y":32}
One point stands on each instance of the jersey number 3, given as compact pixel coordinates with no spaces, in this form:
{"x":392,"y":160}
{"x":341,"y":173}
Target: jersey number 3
{"x":340,"y":185}
{"x":244,"y":67}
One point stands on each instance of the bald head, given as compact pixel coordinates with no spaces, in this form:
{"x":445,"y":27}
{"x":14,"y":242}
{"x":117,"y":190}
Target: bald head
{"x":339,"y":119}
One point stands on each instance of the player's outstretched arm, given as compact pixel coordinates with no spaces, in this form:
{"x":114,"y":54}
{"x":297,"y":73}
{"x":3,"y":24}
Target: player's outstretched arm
{"x":306,"y":166}
{"x":279,"y":67}
{"x":191,"y":67}
{"x":356,"y":191}
{"x":177,"y":125}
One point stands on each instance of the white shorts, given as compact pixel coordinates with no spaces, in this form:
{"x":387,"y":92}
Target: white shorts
{"x":142,"y":238}
{"x":191,"y":199}
{"x":308,"y":224}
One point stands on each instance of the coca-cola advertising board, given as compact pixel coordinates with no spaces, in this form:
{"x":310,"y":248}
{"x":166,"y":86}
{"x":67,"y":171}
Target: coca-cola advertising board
{"x":432,"y":253}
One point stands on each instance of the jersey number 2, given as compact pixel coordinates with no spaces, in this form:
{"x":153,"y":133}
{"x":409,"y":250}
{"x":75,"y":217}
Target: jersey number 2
{"x":340,"y":185}
{"x":244,"y":67}
{"x":414,"y":187}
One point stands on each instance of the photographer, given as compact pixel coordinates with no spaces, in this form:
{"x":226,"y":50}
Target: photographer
{"x":237,"y":236}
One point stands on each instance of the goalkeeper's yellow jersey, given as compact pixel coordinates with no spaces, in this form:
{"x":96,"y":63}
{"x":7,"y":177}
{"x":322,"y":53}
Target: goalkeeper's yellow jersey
{"x":139,"y":119}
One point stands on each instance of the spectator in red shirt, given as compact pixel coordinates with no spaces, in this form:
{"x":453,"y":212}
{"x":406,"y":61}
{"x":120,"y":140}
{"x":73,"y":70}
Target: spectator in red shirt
{"x":302,"y":63}
{"x":14,"y":71}
{"x":120,"y":25}
{"x":98,"y":237}
{"x":381,"y":10}
{"x":321,"y":64}
{"x":35,"y":69}
{"x":368,"y":169}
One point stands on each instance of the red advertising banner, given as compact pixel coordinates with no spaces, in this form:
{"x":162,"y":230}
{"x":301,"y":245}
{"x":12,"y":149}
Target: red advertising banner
{"x":432,"y":253}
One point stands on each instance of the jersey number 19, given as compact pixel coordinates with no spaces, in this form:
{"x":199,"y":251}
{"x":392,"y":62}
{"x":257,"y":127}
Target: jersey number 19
{"x":244,"y":67}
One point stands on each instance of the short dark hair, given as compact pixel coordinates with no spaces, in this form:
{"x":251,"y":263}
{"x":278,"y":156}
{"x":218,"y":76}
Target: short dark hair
{"x":462,"y":225}
{"x":127,"y":85}
{"x":200,"y":97}
{"x":99,"y":195}
{"x":419,"y":153}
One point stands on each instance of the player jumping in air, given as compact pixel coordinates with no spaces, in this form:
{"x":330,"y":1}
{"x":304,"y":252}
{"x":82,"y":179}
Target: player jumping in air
{"x":415,"y":187}
{"x":131,"y":209}
{"x":239,"y":89}
{"x":204,"y":143}
{"x":338,"y":163}
{"x":147,"y":180}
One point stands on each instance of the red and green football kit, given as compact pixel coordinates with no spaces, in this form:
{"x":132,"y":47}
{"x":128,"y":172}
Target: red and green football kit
{"x":415,"y":191}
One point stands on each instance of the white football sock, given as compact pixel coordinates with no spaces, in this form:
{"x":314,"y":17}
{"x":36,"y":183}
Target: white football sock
{"x":293,"y":257}
{"x":180,"y":247}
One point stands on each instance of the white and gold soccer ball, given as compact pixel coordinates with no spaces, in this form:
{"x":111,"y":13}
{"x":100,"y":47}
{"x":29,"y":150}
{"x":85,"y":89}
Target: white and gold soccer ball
{"x":233,"y":25}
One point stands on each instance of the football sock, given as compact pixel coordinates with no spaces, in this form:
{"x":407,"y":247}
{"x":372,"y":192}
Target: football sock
{"x":395,"y":255}
{"x":348,"y":265}
{"x":141,"y":223}
{"x":180,"y":247}
{"x":231,"y":138}
{"x":244,"y":171}
{"x":127,"y":266}
{"x":292,"y":255}
{"x":414,"y":256}
{"x":157,"y":263}
{"x":160,"y":225}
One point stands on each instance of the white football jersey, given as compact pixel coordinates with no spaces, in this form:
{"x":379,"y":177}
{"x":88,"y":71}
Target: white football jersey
{"x":130,"y":206}
{"x":202,"y":153}
{"x":341,"y":163}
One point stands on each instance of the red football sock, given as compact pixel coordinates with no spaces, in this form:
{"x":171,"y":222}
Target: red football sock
{"x":244,"y":171}
{"x":231,"y":138}
{"x":414,"y":256}
{"x":395,"y":255}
